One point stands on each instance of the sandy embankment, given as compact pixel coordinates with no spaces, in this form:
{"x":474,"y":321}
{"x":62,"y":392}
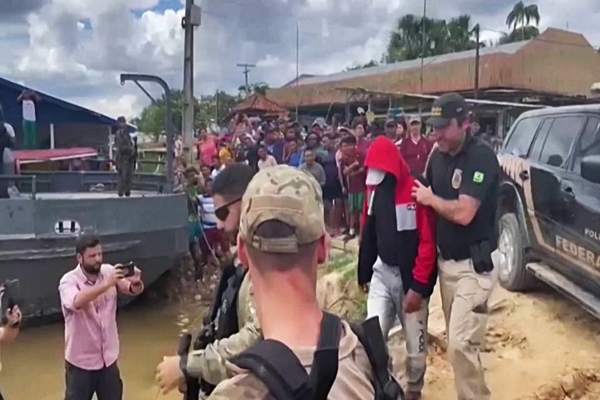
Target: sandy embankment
{"x":539,"y":345}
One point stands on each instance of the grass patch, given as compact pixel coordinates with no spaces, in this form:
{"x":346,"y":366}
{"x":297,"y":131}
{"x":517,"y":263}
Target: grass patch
{"x":345,"y":297}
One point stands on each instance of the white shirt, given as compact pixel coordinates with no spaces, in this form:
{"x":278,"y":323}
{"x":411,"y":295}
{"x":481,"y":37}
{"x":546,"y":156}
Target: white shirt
{"x":270,"y":161}
{"x":28,"y":110}
{"x":8,"y":156}
{"x":215,"y":171}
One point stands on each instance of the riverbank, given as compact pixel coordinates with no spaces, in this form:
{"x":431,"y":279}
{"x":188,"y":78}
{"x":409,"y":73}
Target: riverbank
{"x":539,"y":346}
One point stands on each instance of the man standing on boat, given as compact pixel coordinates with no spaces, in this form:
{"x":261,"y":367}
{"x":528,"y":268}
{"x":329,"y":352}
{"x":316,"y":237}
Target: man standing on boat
{"x":28,"y":100}
{"x":88,"y":296}
{"x":125,"y":157}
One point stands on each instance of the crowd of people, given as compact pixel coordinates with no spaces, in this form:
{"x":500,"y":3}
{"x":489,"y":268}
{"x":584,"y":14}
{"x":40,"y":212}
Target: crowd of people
{"x":334,"y":154}
{"x":429,"y":219}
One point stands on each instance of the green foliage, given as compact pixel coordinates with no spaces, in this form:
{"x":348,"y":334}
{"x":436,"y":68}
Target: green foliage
{"x":260,"y":88}
{"x":207,"y":109}
{"x":441,"y":37}
{"x":519,"y":19}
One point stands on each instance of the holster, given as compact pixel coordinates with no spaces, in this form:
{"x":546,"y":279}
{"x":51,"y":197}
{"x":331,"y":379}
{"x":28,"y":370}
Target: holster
{"x":481,"y":256}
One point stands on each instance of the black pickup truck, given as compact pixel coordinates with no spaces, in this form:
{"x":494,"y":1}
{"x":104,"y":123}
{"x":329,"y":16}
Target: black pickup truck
{"x":549,"y":208}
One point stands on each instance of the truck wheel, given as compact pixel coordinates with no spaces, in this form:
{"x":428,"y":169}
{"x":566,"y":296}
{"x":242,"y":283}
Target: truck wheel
{"x":512,"y":273}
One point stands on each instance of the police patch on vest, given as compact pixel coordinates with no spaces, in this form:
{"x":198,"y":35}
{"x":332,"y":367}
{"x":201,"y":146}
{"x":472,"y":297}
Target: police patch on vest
{"x":456,"y":179}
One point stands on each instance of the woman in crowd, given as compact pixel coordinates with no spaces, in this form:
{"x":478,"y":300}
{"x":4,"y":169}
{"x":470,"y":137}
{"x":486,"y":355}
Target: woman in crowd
{"x":333,"y":195}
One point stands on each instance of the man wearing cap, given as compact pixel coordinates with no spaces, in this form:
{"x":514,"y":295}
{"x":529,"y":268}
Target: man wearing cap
{"x":282,"y":239}
{"x":125,"y":157}
{"x":235,"y":323}
{"x":463,"y":177}
{"x":415,"y":148}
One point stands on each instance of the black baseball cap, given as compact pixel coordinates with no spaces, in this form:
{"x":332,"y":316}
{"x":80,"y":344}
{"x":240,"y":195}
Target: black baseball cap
{"x":445,"y":108}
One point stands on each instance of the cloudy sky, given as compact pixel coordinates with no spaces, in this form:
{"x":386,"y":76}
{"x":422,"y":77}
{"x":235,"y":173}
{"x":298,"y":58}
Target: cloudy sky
{"x":76,"y":49}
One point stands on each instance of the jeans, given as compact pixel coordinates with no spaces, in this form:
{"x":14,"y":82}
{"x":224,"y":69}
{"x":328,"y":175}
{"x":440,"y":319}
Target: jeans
{"x":386,"y":300}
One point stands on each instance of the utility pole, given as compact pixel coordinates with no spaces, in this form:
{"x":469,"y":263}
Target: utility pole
{"x":192,"y":19}
{"x":477,"y":40}
{"x":247,"y":68}
{"x":423,"y":38}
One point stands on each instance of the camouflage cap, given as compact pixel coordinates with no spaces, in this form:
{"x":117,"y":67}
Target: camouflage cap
{"x":284,"y":194}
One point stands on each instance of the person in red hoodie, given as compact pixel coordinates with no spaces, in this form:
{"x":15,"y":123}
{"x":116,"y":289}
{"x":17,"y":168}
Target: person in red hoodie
{"x":397,"y":263}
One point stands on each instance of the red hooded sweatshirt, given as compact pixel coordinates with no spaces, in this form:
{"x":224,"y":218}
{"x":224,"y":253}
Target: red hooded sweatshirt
{"x":396,"y":228}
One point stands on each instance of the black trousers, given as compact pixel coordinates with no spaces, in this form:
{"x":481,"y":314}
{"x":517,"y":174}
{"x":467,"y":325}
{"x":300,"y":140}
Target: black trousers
{"x":81,"y":384}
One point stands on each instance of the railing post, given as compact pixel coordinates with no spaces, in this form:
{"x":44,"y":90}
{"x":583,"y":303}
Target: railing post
{"x":33,"y":187}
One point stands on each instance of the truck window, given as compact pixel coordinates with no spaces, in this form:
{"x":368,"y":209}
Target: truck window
{"x":561,"y":137}
{"x":589,"y":143}
{"x":540,"y":139}
{"x":519,"y":141}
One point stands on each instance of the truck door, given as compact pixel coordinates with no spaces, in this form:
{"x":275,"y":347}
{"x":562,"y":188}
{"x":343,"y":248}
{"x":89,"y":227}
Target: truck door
{"x":578,"y":231}
{"x":550,"y":159}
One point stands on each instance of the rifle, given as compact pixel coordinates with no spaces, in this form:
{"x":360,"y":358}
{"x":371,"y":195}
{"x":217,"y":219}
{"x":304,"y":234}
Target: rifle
{"x":192,"y":387}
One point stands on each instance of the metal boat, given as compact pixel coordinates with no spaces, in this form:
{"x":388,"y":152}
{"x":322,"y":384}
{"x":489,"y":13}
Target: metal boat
{"x":39,"y":224}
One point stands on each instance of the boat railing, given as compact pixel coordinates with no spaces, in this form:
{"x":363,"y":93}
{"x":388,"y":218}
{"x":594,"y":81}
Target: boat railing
{"x":36,"y":182}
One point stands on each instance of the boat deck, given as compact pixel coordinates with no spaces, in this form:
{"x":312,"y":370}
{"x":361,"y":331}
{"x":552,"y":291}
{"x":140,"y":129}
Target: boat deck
{"x":86,"y":195}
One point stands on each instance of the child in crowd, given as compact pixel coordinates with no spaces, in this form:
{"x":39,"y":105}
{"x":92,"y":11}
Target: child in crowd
{"x":354,"y":175}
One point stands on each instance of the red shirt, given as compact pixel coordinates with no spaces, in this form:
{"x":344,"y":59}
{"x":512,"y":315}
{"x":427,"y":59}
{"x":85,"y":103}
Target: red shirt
{"x":415,"y":154}
{"x":355,"y":182}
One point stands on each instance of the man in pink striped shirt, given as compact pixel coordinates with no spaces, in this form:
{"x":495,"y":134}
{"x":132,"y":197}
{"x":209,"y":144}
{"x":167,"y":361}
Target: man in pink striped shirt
{"x":88,"y":296}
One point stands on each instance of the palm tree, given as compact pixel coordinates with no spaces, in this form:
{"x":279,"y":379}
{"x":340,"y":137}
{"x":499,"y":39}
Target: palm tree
{"x":521,"y":15}
{"x":441,"y":37}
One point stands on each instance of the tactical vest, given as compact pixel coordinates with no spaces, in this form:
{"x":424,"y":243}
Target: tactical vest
{"x":225,"y":307}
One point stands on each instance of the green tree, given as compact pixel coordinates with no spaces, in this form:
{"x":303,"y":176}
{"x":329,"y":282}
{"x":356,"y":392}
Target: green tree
{"x":253,"y":88}
{"x":207,"y":109}
{"x":518,"y":19}
{"x":441,"y":37}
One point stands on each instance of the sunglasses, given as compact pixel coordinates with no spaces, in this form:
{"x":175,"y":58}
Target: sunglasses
{"x":223,"y":212}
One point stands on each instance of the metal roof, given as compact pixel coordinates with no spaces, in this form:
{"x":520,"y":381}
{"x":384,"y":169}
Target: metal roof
{"x":101,"y":118}
{"x":509,"y":48}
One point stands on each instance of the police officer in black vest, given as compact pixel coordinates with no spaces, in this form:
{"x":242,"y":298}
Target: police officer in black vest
{"x":463,"y":175}
{"x":232,"y":325}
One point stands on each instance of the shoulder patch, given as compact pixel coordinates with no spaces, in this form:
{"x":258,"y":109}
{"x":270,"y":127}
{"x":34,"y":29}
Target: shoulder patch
{"x":478,"y":177}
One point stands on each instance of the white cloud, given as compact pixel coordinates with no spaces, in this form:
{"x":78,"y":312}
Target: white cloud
{"x":76,"y":49}
{"x":128,"y":105}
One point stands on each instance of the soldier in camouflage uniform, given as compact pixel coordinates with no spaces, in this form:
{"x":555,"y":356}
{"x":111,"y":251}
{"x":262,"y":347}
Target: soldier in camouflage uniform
{"x":209,"y":364}
{"x":282,"y":238}
{"x":125,"y":158}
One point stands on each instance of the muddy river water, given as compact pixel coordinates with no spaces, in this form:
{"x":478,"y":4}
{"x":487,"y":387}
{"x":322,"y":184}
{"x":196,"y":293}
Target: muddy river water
{"x":33,"y":367}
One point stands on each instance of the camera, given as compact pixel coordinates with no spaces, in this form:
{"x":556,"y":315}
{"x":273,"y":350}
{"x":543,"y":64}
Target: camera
{"x":10,"y":297}
{"x":128,"y":269}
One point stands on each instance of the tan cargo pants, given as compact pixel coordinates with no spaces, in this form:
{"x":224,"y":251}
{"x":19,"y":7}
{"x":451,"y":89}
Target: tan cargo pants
{"x":465,"y":295}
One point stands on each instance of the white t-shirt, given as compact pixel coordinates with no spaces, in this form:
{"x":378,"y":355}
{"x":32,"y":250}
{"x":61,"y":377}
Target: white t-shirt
{"x":8,"y":156}
{"x":28,"y":110}
{"x":270,"y":161}
{"x":215,"y":171}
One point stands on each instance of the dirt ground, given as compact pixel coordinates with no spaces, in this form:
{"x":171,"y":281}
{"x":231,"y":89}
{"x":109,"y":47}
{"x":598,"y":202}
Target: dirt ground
{"x":539,"y":346}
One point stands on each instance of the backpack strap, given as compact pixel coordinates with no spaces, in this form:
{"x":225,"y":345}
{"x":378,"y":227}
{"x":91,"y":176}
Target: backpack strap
{"x":370,"y":336}
{"x":283,"y":374}
{"x":278,"y":368}
{"x":326,"y":358}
